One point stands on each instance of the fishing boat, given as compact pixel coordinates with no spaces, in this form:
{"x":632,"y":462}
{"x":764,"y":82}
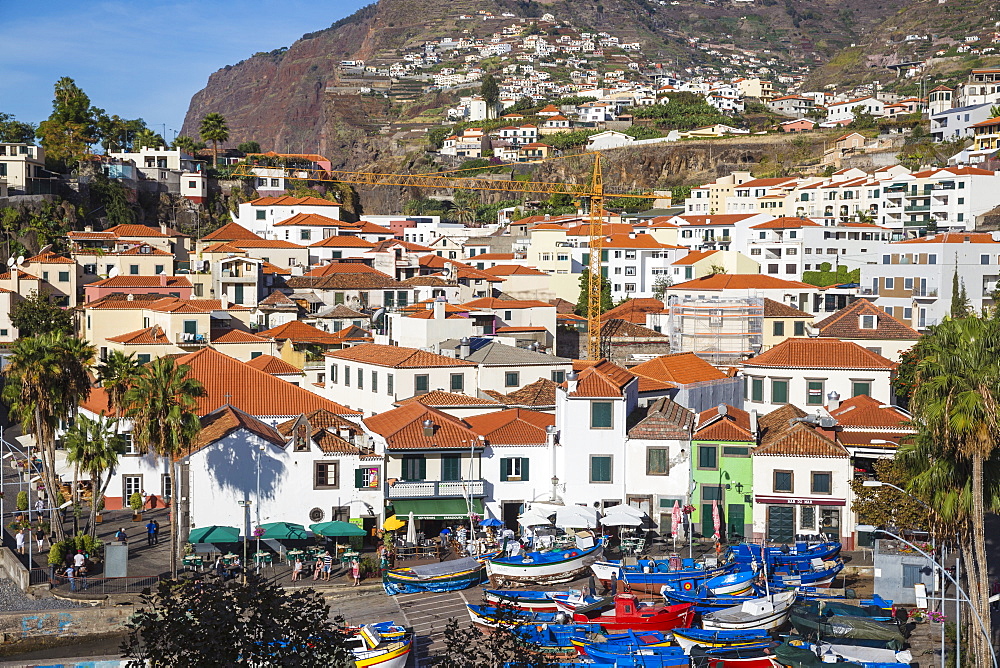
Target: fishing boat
{"x":859,"y":653}
{"x":830,"y":608}
{"x":705,"y":601}
{"x":627,"y":657}
{"x":795,"y":654}
{"x":383,"y":645}
{"x":815,"y":573}
{"x":650,"y":575}
{"x":689,"y":638}
{"x":522,"y":599}
{"x":768,"y":612}
{"x":444,"y":576}
{"x":554,"y":641}
{"x":809,"y":622}
{"x":801,"y":552}
{"x":759,"y":655}
{"x":542,"y":568}
{"x":574,"y":599}
{"x":644,"y":639}
{"x":731,"y":584}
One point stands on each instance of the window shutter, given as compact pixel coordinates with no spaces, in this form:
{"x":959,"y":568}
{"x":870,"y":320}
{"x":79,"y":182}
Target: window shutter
{"x":423,"y":468}
{"x":524,"y":468}
{"x":359,"y":478}
{"x":503,"y":469}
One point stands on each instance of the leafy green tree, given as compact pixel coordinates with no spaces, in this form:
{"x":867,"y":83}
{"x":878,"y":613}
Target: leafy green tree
{"x":146,"y":138}
{"x":960,"y":306}
{"x":187,"y":144}
{"x":862,"y":119}
{"x":93,"y":447}
{"x":583,"y":301}
{"x":684,"y":111}
{"x":47,"y":378}
{"x":200,"y":623}
{"x":68,"y":132}
{"x":15,"y":131}
{"x":38,"y":314}
{"x":490,"y":91}
{"x":885,"y":506}
{"x":213,"y":128}
{"x":905,"y":381}
{"x":116,"y":374}
{"x":679,"y":193}
{"x":660,"y":286}
{"x":114,"y":201}
{"x":248,"y":147}
{"x":161,"y":404}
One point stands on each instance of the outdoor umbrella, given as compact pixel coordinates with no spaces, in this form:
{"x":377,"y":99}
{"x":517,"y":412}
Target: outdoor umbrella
{"x":283,"y":531}
{"x":491,"y":522}
{"x":393,"y":524}
{"x":625,"y":509}
{"x":577,"y":517}
{"x":676,"y":521}
{"x":214,"y":534}
{"x":533,"y":519}
{"x":337,"y":529}
{"x":716,"y":520}
{"x":621,"y":520}
{"x":411,"y":530}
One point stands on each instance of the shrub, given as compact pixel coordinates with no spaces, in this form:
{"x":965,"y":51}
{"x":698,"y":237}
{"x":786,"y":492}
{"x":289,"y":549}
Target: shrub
{"x":135,"y":502}
{"x":22,"y":500}
{"x":57,"y":553}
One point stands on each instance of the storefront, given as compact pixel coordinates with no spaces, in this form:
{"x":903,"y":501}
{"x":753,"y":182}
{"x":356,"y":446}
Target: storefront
{"x":792,"y":518}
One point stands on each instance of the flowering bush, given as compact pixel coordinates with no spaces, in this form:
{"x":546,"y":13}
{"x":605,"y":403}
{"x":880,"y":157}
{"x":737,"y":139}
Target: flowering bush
{"x":258,"y":532}
{"x":936,"y":616}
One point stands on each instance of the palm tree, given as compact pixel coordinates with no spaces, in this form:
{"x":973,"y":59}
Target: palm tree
{"x":148,"y":139}
{"x":214,"y":129}
{"x":47,"y":378}
{"x":187,"y":144}
{"x":956,"y":406}
{"x":93,"y":447}
{"x":116,"y":375}
{"x":162,"y":404}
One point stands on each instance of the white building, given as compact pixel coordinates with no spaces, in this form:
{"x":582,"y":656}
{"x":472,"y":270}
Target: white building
{"x":261,"y":215}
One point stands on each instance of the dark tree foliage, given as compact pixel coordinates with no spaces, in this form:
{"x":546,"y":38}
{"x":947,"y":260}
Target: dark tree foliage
{"x":38,"y":314}
{"x":15,"y":131}
{"x":200,"y":624}
{"x":248,"y":147}
{"x":583,"y":301}
{"x":502,"y":648}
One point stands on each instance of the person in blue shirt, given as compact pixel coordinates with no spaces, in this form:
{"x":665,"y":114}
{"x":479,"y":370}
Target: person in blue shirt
{"x":150,"y":532}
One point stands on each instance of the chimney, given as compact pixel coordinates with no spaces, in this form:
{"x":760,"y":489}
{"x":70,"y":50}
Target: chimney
{"x":464,"y":348}
{"x":571,"y":382}
{"x":439,"y":305}
{"x":345,"y":434}
{"x":224,"y":302}
{"x":163,"y":228}
{"x":88,"y":228}
{"x":163,"y":280}
{"x":753,"y":422}
{"x":832,"y":400}
{"x":131,"y":297}
{"x":428,"y":428}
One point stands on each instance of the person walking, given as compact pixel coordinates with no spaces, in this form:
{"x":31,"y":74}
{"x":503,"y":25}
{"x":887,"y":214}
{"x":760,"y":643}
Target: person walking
{"x":79,"y":559}
{"x":145,"y":498}
{"x":71,"y":576}
{"x":327,"y":565}
{"x":19,"y":539}
{"x":297,"y":569}
{"x":156,"y":533}
{"x":121,"y":536}
{"x":39,"y":507}
{"x":40,"y":536}
{"x":150,"y":533}
{"x":356,"y":572}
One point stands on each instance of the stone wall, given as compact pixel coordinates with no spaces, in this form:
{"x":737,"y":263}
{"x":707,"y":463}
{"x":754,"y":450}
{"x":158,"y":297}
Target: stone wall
{"x":65,"y":624}
{"x":12,"y":568}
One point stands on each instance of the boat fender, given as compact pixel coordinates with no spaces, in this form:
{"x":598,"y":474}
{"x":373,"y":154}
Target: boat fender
{"x":527,"y":560}
{"x":688,"y":585}
{"x":572,"y":554}
{"x":562,"y":617}
{"x":647,"y":569}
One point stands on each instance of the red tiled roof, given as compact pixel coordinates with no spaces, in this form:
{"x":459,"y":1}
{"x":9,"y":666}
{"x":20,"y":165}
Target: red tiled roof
{"x":343,"y":268}
{"x":785,"y":223}
{"x":515,"y":330}
{"x":440,"y":399}
{"x":779,"y":435}
{"x":514,"y":426}
{"x":721,"y":219}
{"x":952,"y":238}
{"x":220,"y":423}
{"x":149,"y":336}
{"x":145,"y":250}
{"x":287,"y":200}
{"x":634,"y":310}
{"x":695,"y":256}
{"x":224,"y":247}
{"x":514,"y":270}
{"x":238,"y":336}
{"x":733,"y":426}
{"x":740,"y":282}
{"x":494,"y":303}
{"x":396,"y":357}
{"x":230,"y":232}
{"x":143,"y":282}
{"x":313,"y":220}
{"x":680,"y":368}
{"x":300,"y":332}
{"x":773,"y":309}
{"x":265,"y":243}
{"x":865,"y":412}
{"x":274,"y":366}
{"x":49,"y":257}
{"x":846,"y":324}
{"x":539,"y":394}
{"x":403,"y":429}
{"x":820,"y":353}
{"x":135,"y":231}
{"x":600,"y":379}
{"x":343,"y":242}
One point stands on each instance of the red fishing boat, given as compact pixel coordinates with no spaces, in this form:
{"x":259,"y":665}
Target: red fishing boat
{"x":627,"y":613}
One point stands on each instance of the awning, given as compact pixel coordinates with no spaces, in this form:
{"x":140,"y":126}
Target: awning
{"x":436,"y":509}
{"x":801,"y":501}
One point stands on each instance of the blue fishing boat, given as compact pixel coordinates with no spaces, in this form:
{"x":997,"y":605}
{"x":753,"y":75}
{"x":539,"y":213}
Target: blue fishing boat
{"x":730,"y":584}
{"x":526,"y":599}
{"x":635,"y":639}
{"x":443,"y":576}
{"x":688,"y":638}
{"x":650,"y":575}
{"x":816,"y":573}
{"x":705,"y":601}
{"x":554,"y":641}
{"x":748,"y":553}
{"x":645,"y":657}
{"x":539,"y":568}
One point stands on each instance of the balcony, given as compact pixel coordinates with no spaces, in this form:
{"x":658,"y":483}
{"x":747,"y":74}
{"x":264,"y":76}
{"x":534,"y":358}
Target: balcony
{"x":186,"y":340}
{"x":901,"y":188}
{"x":916,"y":208}
{"x":919,"y":193}
{"x":428,"y":488}
{"x":947,"y":185}
{"x":925,"y":293}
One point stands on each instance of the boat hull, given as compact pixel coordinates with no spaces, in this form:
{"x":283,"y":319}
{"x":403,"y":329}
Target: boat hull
{"x":528,"y":570}
{"x":691,"y":638}
{"x":733,"y":619}
{"x":632,"y":579}
{"x":399,"y":582}
{"x":520,"y":600}
{"x":393,"y":656}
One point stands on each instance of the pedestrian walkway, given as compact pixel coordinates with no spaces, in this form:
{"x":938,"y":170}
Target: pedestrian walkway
{"x":428,"y":614}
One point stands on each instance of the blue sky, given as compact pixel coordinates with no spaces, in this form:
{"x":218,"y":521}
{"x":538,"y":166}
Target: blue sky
{"x":141,"y":58}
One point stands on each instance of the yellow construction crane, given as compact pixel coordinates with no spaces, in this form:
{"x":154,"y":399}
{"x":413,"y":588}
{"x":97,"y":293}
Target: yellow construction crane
{"x":594,"y":193}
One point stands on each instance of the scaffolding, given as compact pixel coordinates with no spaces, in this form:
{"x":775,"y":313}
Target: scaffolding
{"x":723,"y":331}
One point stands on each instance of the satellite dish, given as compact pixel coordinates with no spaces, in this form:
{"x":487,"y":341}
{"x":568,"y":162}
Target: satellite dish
{"x":10,"y":261}
{"x":46,"y":248}
{"x":114,"y":272}
{"x":20,"y":260}
{"x":722,"y":409}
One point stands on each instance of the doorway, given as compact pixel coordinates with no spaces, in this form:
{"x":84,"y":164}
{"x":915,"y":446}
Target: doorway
{"x":735,"y":518}
{"x":509,"y":510}
{"x":781,"y":524}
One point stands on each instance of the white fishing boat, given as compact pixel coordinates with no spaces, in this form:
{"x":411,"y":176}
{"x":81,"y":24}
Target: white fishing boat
{"x":543,"y":568}
{"x":384,"y":645}
{"x":862,"y":654}
{"x":767,"y":612}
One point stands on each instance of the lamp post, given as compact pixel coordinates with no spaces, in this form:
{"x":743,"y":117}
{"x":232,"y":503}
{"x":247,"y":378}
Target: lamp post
{"x":245,"y":504}
{"x":867,"y":528}
{"x":879,"y":483}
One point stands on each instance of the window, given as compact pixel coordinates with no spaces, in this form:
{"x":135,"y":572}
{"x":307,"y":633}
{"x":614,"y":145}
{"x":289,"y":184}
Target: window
{"x":601,"y":415}
{"x":512,"y":379}
{"x":132,"y":484}
{"x":778,"y":328}
{"x":347,"y":376}
{"x":799,"y":328}
{"x":558,"y":376}
{"x":261,"y":215}
{"x":932,"y":258}
{"x":600,"y":468}
{"x":130,"y":447}
{"x":756,"y":389}
{"x":779,"y":391}
{"x":388,"y":384}
{"x":374,"y":381}
{"x":907,"y":283}
{"x":301,"y":440}
{"x":755,"y":251}
{"x":133,"y":269}
{"x":166,"y":485}
{"x":514,"y":469}
{"x":64,"y":276}
{"x":708,"y":457}
{"x":912,"y":575}
{"x":789,"y":268}
{"x":814,"y":392}
{"x":772,"y":269}
{"x":630,"y":287}
{"x":388,"y":298}
{"x":822,"y":483}
{"x":961,"y":200}
{"x":361,"y":379}
{"x":305,"y":235}
{"x":142,"y":358}
{"x":984,"y":259}
{"x":791,"y":251}
{"x":451,"y":467}
{"x":868,"y":322}
{"x":859,"y":387}
{"x":414,"y":467}
{"x":907,"y":313}
{"x":366,"y":478}
{"x":735,"y":451}
{"x":630,"y":271}
{"x":889,"y":284}
{"x":807,"y":518}
{"x":783,"y":481}
{"x":326,"y":475}
{"x":657,"y":461}
{"x":333,"y":374}
{"x":457,"y":382}
{"x":711,"y":493}
{"x":421,"y":384}
{"x":630,"y":255}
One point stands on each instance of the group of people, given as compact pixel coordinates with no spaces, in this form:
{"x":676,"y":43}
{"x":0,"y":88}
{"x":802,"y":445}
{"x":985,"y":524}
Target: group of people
{"x":75,"y":570}
{"x":25,"y":534}
{"x":323,"y":569}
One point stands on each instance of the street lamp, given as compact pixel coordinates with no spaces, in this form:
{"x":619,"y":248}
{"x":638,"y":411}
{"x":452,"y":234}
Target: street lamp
{"x":245,"y":504}
{"x":868,"y":528}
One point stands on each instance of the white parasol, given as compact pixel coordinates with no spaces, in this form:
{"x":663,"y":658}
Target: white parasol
{"x":411,"y":530}
{"x":577,"y":517}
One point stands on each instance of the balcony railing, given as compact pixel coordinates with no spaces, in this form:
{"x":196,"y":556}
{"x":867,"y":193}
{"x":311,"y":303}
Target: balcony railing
{"x":917,"y":208}
{"x":430,"y":488}
{"x":184,"y":339}
{"x":930,"y":293}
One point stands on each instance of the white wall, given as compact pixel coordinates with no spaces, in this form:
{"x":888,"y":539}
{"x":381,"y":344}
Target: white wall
{"x":839,"y":380}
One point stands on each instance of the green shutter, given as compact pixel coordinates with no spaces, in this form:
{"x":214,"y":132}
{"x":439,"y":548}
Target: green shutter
{"x":503,"y":469}
{"x":359,"y":478}
{"x":423,"y":467}
{"x":524,"y":468}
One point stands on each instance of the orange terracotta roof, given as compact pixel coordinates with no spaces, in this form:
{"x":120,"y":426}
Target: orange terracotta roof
{"x":600,"y":379}
{"x":634,"y":310}
{"x":722,"y":219}
{"x":238,"y":336}
{"x":680,"y":368}
{"x":785,"y":223}
{"x":322,"y":419}
{"x":175,"y":305}
{"x":275,"y":366}
{"x":343,"y":268}
{"x":952,"y":238}
{"x":514,"y":270}
{"x":494,"y":303}
{"x":516,"y":330}
{"x":740,"y":282}
{"x":694,"y":257}
{"x":733,"y":426}
{"x":299,"y":332}
{"x":265,"y":243}
{"x":441,"y":399}
{"x":583,"y":230}
{"x":224,"y":247}
{"x":396,"y":357}
{"x":49,"y":257}
{"x":864,"y":412}
{"x":365,"y":227}
{"x":312,"y":220}
{"x":269,"y":268}
{"x":276,"y":298}
{"x":149,"y":336}
{"x":287,"y":200}
{"x":514,"y":426}
{"x":773,"y":309}
{"x":639,"y":241}
{"x":820,"y":353}
{"x":230,"y":232}
{"x":846,"y":324}
{"x":143,"y":282}
{"x":144,"y":250}
{"x":539,"y":394}
{"x":388,"y":244}
{"x":343,"y":242}
{"x":135,"y":231}
{"x":403,"y":429}
{"x":780,"y":436}
{"x":224,"y":421}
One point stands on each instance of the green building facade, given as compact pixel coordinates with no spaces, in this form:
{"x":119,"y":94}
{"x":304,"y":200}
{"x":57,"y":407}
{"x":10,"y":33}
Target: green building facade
{"x":722,"y":471}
